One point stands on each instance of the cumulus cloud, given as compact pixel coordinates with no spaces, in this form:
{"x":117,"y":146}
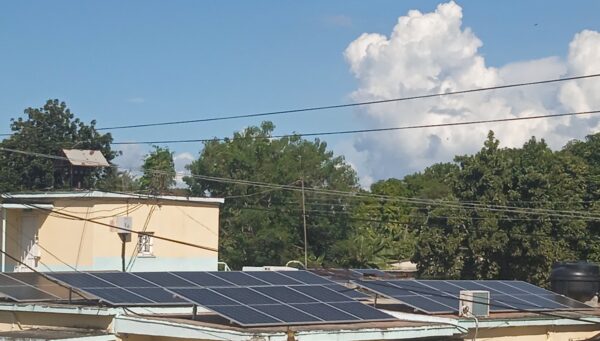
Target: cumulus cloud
{"x":433,"y":53}
{"x":132,"y":157}
{"x":181,"y":160}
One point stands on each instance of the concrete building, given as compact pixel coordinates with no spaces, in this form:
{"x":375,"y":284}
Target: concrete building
{"x":43,"y":321}
{"x":60,"y":231}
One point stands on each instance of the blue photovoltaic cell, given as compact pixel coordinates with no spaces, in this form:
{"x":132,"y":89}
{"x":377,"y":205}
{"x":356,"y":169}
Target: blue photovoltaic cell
{"x":347,"y":291}
{"x":569,"y":302}
{"x":360,"y":310}
{"x":306,"y":277}
{"x":31,"y":286}
{"x":165,"y":279}
{"x":244,"y":295}
{"x":244,"y":315}
{"x":529,"y":288}
{"x":124,"y":280}
{"x":238,"y":278}
{"x":6,"y":280}
{"x":321,"y":293}
{"x":273,"y":277}
{"x":384,"y":288}
{"x":284,"y":294}
{"x":80,"y":280}
{"x":23,"y":293}
{"x":204,"y":297}
{"x":426,"y":304}
{"x":203,"y":279}
{"x":324,"y":312}
{"x":249,"y":299}
{"x":286,"y":313}
{"x":117,"y":296}
{"x":160,"y":295}
{"x":437,"y":296}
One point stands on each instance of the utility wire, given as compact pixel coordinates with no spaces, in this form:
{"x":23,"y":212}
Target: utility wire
{"x":74,"y":217}
{"x":365,"y":196}
{"x":338,"y":106}
{"x":358,"y":104}
{"x":373,"y":130}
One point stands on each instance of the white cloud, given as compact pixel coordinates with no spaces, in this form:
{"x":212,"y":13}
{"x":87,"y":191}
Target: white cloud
{"x":433,"y":52}
{"x":181,"y":160}
{"x":132,"y":157}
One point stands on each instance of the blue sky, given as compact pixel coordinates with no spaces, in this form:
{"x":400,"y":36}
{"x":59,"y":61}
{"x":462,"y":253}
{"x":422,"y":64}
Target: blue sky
{"x":123,"y":62}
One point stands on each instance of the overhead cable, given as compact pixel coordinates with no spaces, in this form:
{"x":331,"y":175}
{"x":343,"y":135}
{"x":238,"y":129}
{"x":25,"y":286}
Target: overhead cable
{"x":372,"y":130}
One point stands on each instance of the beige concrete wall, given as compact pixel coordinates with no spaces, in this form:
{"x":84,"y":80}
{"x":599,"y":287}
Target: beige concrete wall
{"x":537,"y":333}
{"x":86,"y":245}
{"x":25,"y":320}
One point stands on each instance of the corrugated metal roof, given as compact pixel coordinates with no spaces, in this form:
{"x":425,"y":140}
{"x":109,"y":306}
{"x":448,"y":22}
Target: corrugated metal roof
{"x":86,"y":158}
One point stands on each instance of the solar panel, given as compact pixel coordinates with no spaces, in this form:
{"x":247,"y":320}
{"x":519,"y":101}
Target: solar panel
{"x":119,"y":288}
{"x":80,"y":280}
{"x":246,"y":298}
{"x":18,"y":289}
{"x":438,"y":296}
{"x":273,"y":277}
{"x":277,"y":305}
{"x":238,"y":278}
{"x":165,"y":279}
{"x":355,"y":294}
{"x":305,"y":277}
{"x":41,"y":283}
{"x":203,"y":279}
{"x":124,"y":280}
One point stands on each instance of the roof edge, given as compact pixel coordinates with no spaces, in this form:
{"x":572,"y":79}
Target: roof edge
{"x":108,"y":195}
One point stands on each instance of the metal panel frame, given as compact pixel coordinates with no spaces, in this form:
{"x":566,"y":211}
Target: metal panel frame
{"x":495,"y":306}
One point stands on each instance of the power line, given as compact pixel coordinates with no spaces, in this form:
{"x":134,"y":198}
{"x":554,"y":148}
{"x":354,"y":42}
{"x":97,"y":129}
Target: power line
{"x":359,"y":195}
{"x":338,"y":106}
{"x":373,"y":130}
{"x":74,"y":217}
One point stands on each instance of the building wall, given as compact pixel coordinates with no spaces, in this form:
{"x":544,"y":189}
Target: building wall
{"x":66,"y":243}
{"x":10,"y":321}
{"x":537,"y":333}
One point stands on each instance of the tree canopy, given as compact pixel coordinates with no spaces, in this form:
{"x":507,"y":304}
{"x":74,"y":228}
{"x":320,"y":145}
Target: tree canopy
{"x":264,"y":225}
{"x":159,"y":171}
{"x":48,"y":130}
{"x":507,"y":216}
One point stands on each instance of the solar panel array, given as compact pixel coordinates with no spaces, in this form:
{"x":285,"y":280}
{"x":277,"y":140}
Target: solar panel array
{"x":29,"y":287}
{"x":254,"y":298}
{"x":442,"y":296}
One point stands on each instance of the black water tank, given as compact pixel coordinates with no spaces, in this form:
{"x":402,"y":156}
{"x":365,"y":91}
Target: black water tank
{"x":578,"y":280}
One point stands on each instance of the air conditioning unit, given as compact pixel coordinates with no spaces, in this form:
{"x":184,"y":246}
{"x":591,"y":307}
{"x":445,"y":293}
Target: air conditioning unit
{"x":125,"y":224}
{"x":474,"y":303}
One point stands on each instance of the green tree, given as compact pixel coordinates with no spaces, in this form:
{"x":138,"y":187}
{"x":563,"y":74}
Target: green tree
{"x":379,"y":231}
{"x":159,"y":171}
{"x":48,"y":130}
{"x":484,"y":237}
{"x":263,"y":225}
{"x":122,"y":181}
{"x":589,"y":151}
